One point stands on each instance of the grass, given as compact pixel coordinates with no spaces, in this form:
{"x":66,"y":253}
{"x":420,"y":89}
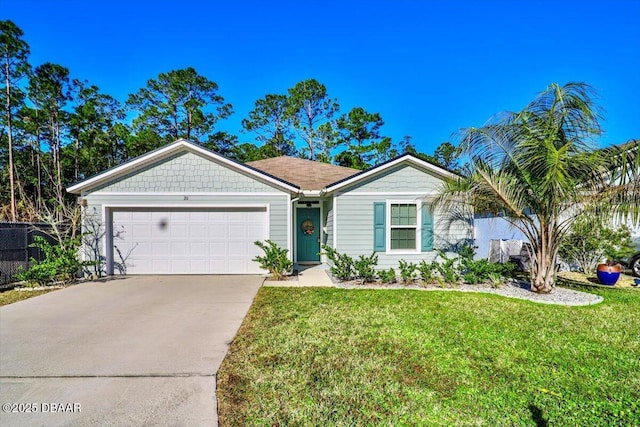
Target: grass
{"x":310,"y":356}
{"x":625,"y":281}
{"x":9,"y":297}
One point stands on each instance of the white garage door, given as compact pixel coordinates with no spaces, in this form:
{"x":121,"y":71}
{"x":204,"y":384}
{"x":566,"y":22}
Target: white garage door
{"x":188,"y":241}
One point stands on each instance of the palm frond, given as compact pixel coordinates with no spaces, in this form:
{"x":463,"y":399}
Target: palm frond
{"x":539,"y":169}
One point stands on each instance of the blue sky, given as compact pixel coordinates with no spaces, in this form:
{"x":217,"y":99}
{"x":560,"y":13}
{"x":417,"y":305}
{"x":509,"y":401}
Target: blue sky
{"x":429,"y":68}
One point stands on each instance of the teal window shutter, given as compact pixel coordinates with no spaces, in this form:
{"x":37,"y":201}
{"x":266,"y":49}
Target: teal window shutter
{"x":379,"y":226}
{"x":427,"y":228}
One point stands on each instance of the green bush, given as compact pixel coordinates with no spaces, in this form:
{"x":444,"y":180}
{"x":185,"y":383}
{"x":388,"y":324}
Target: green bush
{"x":343,"y":265}
{"x":60,"y":262}
{"x":591,"y":241}
{"x":448,"y":269}
{"x":387,"y":276}
{"x":480,"y":271}
{"x":407,"y":271}
{"x":427,"y":271}
{"x":275,"y":260}
{"x":365,"y":267}
{"x":40,"y":273}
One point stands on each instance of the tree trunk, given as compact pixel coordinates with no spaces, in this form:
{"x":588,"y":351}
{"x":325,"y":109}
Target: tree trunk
{"x":59,"y":194}
{"x":12,"y":184}
{"x":176,"y":126}
{"x":39,"y":162}
{"x":310,"y":131}
{"x":543,"y":277}
{"x":189,"y":125}
{"x":543,"y":266}
{"x":76,"y":166}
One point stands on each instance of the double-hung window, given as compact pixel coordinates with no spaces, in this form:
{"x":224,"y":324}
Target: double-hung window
{"x":403,"y":226}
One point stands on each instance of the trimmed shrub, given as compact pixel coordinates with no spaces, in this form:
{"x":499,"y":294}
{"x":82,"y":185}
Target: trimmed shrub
{"x":407,"y":271}
{"x":365,"y":267}
{"x":343,"y":265}
{"x":387,"y":276}
{"x":427,"y":271}
{"x":447,"y":269}
{"x":275,"y":260}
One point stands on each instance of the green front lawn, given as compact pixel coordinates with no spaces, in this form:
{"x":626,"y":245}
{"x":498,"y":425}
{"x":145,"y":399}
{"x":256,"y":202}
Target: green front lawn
{"x":337,"y":357}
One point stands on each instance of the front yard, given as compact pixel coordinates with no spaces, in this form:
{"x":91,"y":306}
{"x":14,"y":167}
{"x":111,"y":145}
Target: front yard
{"x":309,"y":356}
{"x":15,"y":295}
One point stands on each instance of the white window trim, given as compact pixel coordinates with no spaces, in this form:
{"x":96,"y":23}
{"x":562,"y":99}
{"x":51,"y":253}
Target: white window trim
{"x":418,"y":247}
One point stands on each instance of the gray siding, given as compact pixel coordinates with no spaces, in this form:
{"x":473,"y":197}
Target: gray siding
{"x":401,"y":178}
{"x":277,"y":207}
{"x":185,"y":172}
{"x":355,"y":230}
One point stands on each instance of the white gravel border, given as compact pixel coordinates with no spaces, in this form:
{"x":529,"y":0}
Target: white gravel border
{"x":512,"y":289}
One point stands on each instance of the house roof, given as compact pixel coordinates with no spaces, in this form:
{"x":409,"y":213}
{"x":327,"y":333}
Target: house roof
{"x":381,"y":168}
{"x":288,"y":173}
{"x":170,"y":149}
{"x":306,"y":174}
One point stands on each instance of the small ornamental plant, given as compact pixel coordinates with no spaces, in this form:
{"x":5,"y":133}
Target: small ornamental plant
{"x":407,"y":271}
{"x":343,"y":265}
{"x":365,"y":267}
{"x":387,"y":276}
{"x":275,"y":259}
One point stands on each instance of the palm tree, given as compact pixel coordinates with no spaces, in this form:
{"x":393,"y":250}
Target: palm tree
{"x":539,"y":169}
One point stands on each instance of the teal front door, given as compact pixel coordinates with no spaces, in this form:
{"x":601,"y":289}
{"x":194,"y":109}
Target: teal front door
{"x":308,"y":235}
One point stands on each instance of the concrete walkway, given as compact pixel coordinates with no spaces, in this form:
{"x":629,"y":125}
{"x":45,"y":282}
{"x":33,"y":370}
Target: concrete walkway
{"x":308,"y":276}
{"x":138,"y":351}
{"x":315,"y":276}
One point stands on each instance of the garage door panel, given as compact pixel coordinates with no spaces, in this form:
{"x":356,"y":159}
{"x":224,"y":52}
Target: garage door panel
{"x":238,"y":231}
{"x":198,"y":231}
{"x":158,"y":266}
{"x":178,"y":248}
{"x":198,"y":249}
{"x":198,"y":215}
{"x":141,"y":216}
{"x":140,"y":231}
{"x":190,"y":241}
{"x":218,"y":247}
{"x":237,"y":249}
{"x":254,"y":229}
{"x":160,"y":249}
{"x":198,"y":266}
{"x":178,"y":231}
{"x":253,"y":250}
{"x":237,"y":264}
{"x":179,"y":265}
{"x":219,"y":264}
{"x":138,"y":247}
{"x":255,"y":216}
{"x":217,"y":216}
{"x":217,"y":231}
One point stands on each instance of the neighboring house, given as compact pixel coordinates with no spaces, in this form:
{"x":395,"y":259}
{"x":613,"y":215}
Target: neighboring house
{"x":182,"y":209}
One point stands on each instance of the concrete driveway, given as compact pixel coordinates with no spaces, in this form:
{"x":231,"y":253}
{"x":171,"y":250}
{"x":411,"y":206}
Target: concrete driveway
{"x":134,"y":351}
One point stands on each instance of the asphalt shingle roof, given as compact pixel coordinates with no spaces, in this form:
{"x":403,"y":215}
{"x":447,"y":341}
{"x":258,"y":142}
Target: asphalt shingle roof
{"x":306,"y":174}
